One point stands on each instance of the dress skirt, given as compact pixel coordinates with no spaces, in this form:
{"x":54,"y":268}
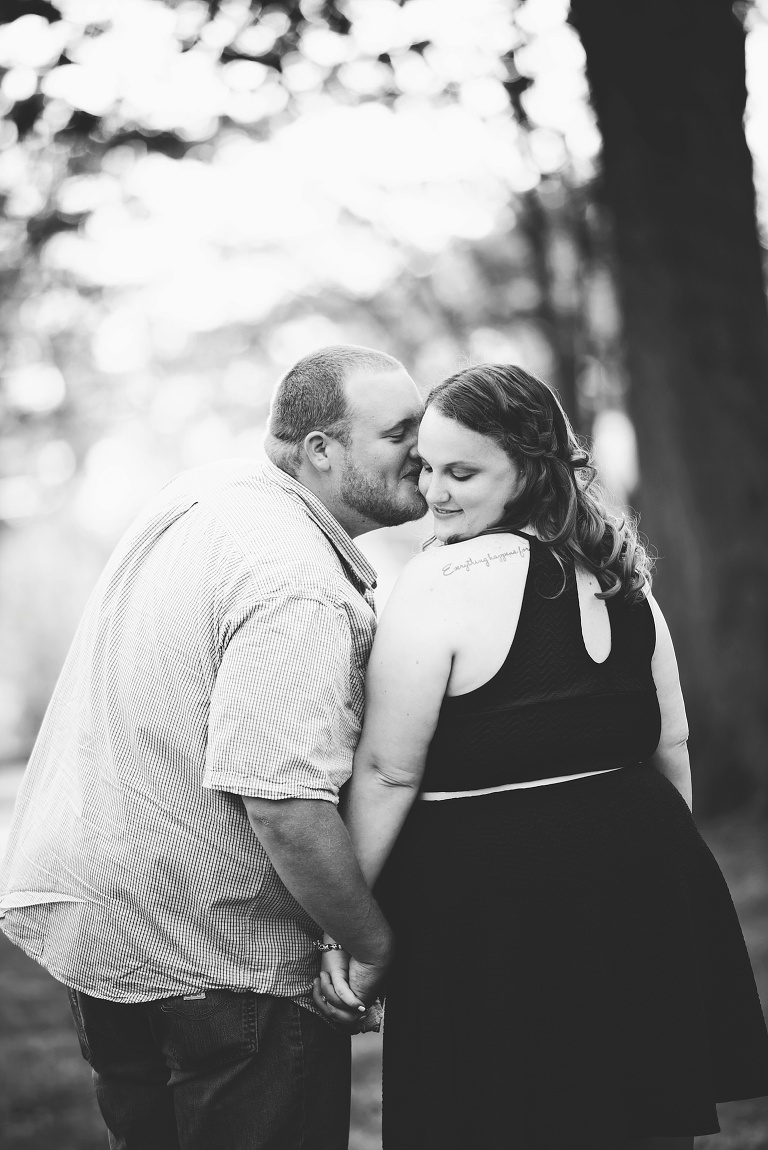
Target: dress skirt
{"x":570,"y":972}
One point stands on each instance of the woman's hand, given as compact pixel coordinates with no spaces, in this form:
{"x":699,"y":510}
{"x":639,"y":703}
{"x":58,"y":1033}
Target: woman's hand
{"x":333,"y":994}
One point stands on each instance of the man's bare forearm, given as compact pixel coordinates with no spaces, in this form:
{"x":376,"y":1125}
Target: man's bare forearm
{"x":310,"y":849}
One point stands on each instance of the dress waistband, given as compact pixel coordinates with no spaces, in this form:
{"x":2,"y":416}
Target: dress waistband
{"x":439,"y":796}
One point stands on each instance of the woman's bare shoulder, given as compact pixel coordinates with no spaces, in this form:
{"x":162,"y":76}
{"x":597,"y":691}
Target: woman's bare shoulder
{"x":420,"y":577}
{"x":417,"y":606}
{"x":443,"y":575}
{"x":483,"y":553}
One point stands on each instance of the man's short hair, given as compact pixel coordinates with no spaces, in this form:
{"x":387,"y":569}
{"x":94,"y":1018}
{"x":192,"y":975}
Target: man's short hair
{"x":310,"y":397}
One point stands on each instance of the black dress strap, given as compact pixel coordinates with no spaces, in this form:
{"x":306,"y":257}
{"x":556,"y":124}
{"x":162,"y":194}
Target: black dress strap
{"x":526,"y":535}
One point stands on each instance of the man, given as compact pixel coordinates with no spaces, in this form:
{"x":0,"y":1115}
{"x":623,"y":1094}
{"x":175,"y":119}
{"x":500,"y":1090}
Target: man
{"x":176,"y":848}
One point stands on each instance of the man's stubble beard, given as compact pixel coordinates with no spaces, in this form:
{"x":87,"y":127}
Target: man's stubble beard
{"x":375,"y":501}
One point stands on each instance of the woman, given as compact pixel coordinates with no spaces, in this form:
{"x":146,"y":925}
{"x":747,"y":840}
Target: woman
{"x":570,"y":971}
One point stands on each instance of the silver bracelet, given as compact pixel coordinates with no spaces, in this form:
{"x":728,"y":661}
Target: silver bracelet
{"x":323,"y":946}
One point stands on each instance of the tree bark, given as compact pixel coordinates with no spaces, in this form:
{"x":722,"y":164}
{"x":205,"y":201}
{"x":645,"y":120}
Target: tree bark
{"x":668,"y":86}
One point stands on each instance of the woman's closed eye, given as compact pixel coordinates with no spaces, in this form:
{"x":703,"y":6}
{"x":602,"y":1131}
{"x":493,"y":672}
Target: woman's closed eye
{"x":451,"y":474}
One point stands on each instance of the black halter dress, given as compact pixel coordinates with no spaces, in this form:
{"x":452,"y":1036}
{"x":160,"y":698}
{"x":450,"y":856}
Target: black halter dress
{"x":570,"y":970}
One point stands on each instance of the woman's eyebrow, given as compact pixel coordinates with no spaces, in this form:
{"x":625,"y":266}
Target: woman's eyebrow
{"x":453,"y":463}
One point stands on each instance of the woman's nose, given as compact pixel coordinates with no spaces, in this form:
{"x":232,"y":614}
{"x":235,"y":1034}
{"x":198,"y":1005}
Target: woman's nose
{"x":436,"y":491}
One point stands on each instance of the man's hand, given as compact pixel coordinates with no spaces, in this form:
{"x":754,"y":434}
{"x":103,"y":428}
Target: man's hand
{"x":346,"y":987}
{"x":365,"y":979}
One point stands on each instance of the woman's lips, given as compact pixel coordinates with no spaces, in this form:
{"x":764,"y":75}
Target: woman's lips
{"x":446,"y":511}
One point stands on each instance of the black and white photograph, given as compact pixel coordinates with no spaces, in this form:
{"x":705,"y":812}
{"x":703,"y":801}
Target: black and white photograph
{"x":383,"y":574}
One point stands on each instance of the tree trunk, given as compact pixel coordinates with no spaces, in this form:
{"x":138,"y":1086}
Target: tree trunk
{"x":668,"y":86}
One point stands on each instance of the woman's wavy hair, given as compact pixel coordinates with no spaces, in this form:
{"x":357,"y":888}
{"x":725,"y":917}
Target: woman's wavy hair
{"x":558,"y":495}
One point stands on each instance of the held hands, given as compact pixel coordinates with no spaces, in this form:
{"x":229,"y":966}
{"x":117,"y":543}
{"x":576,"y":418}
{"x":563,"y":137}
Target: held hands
{"x":346,"y":987}
{"x":333,"y":994}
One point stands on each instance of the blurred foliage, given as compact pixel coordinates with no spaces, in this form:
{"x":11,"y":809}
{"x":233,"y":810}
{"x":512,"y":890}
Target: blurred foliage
{"x":192,"y":195}
{"x":172,"y":171}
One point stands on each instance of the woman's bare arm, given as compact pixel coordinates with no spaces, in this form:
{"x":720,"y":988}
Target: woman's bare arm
{"x":408,"y":672}
{"x":407,"y":676}
{"x":671,"y":755}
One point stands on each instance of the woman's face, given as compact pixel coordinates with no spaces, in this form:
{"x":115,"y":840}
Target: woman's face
{"x":467,"y":479}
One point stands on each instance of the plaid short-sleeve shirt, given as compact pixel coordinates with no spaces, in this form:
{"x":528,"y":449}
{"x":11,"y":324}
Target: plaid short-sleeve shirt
{"x":222,"y":653}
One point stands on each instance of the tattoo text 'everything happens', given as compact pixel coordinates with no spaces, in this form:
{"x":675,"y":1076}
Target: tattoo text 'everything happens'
{"x":484,"y":561}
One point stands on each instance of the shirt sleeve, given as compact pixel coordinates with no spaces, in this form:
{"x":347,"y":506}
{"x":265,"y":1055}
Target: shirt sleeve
{"x":280,"y":723}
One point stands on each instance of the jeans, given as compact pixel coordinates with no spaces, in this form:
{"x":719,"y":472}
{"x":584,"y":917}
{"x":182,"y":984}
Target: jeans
{"x":225,"y":1071}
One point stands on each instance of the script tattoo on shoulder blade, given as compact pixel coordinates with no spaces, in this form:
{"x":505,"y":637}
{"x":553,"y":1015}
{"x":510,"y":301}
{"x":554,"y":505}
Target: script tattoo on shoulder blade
{"x":484,"y":560}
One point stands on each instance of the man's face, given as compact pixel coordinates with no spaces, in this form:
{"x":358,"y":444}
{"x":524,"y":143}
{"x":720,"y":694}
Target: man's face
{"x":380,"y":471}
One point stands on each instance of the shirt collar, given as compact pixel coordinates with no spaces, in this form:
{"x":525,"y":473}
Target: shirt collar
{"x":351,"y":556}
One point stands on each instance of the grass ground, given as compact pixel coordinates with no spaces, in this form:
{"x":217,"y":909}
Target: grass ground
{"x":46,"y":1098}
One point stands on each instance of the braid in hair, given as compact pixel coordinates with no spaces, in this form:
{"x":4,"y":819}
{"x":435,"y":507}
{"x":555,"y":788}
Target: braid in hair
{"x":558,"y":495}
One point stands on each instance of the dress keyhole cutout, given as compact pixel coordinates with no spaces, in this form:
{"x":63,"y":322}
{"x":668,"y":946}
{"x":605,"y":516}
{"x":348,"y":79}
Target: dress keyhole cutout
{"x":595,"y":621}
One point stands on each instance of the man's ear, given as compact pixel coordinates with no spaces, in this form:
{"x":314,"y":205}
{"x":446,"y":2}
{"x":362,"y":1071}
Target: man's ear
{"x":316,"y":450}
